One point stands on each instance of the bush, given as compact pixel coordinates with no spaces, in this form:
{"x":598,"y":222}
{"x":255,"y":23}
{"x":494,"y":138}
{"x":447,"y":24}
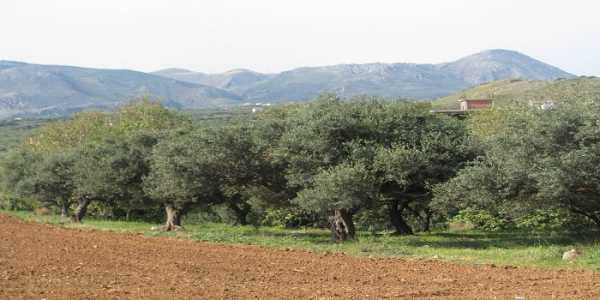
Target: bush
{"x":371,"y":220}
{"x":14,"y":203}
{"x":550,"y":219}
{"x":478,"y":219}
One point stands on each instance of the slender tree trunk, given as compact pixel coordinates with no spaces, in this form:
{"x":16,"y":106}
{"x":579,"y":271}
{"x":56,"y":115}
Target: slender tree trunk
{"x":173,"y":218}
{"x":427,"y":221}
{"x":397,"y":219}
{"x":241,"y":213}
{"x":342,"y":226}
{"x":64,"y":209}
{"x":81,"y":209}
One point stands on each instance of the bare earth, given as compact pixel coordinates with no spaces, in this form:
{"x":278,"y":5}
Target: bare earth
{"x":46,"y":262}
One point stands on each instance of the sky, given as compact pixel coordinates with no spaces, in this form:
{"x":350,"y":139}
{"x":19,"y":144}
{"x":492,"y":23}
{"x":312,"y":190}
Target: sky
{"x":277,"y":35}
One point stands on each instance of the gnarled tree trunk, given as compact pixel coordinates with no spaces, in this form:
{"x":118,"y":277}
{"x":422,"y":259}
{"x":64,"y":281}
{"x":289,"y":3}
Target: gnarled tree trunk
{"x":396,"y":218}
{"x":81,"y":209}
{"x":342,"y":226}
{"x":173,"y":218}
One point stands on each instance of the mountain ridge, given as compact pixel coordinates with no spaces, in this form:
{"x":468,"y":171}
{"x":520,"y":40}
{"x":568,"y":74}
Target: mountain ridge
{"x":32,"y":89}
{"x":49,"y":90}
{"x":407,"y":80}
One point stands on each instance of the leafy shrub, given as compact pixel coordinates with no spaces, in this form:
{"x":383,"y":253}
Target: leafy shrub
{"x":550,"y":219}
{"x":478,"y":219}
{"x":15,"y":203}
{"x":541,"y":220}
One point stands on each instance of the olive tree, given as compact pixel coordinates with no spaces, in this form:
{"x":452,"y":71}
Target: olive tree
{"x":183,"y":174}
{"x":373,"y":133}
{"x":17,"y":168}
{"x":408,"y":170}
{"x":110,"y":153}
{"x":53,"y":181}
{"x":111,"y":173}
{"x":339,"y":191}
{"x":536,"y":159}
{"x":211,"y":165}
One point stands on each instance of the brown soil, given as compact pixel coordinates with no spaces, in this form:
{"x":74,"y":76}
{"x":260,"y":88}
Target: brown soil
{"x":46,"y":262}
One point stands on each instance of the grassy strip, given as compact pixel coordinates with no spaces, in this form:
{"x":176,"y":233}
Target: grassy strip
{"x":542,"y":249}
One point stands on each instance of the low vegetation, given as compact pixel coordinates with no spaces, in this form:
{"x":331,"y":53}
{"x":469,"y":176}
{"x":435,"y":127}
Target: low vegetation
{"x":504,"y":248}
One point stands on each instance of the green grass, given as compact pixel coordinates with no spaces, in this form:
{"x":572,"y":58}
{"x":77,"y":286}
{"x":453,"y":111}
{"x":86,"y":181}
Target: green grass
{"x":523,"y":91}
{"x":471,"y":247}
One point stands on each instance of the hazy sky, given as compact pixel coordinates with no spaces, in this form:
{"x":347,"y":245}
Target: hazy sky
{"x":275,"y":35}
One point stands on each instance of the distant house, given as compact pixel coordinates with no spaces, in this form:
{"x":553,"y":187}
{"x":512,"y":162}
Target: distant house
{"x":475,"y":104}
{"x":466,"y":105}
{"x":258,"y":107}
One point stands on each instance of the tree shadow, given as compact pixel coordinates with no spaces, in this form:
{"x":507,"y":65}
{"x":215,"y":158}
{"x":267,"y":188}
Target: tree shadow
{"x":504,"y":240}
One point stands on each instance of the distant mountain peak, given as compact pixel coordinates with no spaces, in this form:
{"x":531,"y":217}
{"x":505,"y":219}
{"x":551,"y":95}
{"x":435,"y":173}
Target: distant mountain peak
{"x":239,"y":70}
{"x":501,"y":52}
{"x":497,"y":54}
{"x":497,"y":64}
{"x":173,"y":71}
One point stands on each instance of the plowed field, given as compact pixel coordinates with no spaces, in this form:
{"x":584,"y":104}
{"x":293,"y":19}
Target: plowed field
{"x":46,"y":262}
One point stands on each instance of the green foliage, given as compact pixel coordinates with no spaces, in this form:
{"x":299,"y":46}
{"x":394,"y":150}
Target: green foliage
{"x":53,"y":180}
{"x":480,"y":219}
{"x":99,"y":156}
{"x":181,"y":170}
{"x":546,"y":220}
{"x":359,"y":153}
{"x":112,"y":171}
{"x":536,"y":159}
{"x":345,"y":186}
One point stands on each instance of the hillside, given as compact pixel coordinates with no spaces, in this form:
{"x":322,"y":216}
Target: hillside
{"x":47,"y":90}
{"x":525,"y":91}
{"x":404,"y":80}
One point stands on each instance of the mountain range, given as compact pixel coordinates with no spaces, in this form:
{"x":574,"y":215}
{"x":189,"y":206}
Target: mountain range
{"x":406,"y":80}
{"x":48,"y":90}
